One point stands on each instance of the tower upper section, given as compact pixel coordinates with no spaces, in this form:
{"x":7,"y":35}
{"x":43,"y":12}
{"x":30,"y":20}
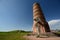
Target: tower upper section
{"x":37,"y":12}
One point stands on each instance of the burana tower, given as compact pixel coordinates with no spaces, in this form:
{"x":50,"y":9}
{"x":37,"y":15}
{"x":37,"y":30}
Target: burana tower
{"x":40,"y":24}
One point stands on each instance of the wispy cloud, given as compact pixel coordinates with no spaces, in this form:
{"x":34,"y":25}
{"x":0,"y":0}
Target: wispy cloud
{"x":54,"y":24}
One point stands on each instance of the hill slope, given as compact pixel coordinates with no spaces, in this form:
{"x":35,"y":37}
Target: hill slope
{"x":13,"y":35}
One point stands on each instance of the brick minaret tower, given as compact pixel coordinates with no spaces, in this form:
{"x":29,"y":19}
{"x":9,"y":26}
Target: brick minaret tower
{"x":39,"y":23}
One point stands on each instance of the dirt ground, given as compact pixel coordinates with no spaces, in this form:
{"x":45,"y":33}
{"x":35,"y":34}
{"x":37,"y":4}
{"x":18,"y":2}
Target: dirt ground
{"x":35,"y":38}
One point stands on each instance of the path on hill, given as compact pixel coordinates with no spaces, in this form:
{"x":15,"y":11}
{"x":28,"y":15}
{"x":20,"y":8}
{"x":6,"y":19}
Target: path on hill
{"x":34,"y":38}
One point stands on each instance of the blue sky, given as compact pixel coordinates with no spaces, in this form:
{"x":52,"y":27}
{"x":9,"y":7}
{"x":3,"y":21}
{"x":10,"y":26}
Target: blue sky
{"x":17,"y":14}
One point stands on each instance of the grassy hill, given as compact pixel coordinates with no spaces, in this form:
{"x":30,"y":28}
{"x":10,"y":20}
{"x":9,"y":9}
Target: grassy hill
{"x":16,"y":35}
{"x":13,"y":35}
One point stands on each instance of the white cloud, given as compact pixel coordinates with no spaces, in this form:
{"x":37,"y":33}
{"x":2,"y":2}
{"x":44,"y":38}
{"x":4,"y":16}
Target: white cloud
{"x":54,"y":24}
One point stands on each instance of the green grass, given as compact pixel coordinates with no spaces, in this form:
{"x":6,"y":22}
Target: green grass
{"x":13,"y":35}
{"x":57,"y":33}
